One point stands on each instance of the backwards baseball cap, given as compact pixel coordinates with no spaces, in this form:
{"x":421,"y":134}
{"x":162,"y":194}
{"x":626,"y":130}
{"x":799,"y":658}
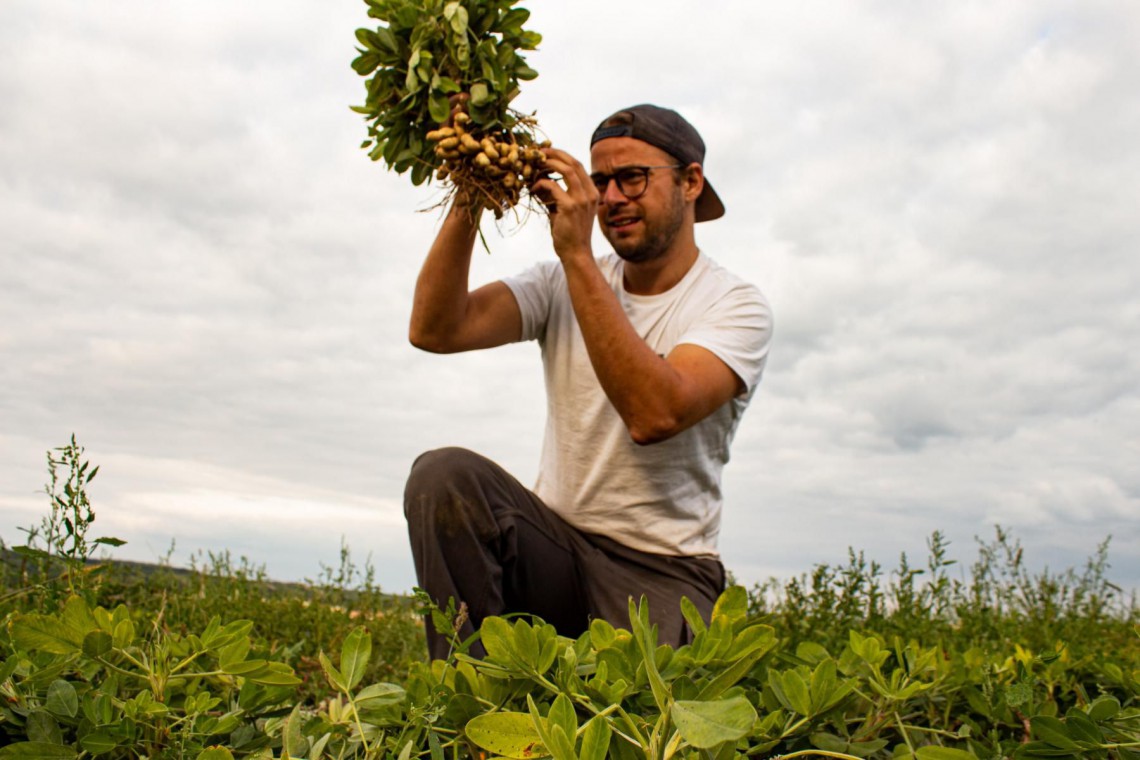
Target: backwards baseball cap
{"x":667,"y":130}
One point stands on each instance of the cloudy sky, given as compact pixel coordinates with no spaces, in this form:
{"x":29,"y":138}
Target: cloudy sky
{"x":206,"y":280}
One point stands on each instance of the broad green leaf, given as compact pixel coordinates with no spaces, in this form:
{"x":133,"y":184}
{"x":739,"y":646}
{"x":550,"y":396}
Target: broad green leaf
{"x":562,"y":714}
{"x":435,"y":747}
{"x":379,"y":695}
{"x":602,"y":634}
{"x":731,"y":675}
{"x":480,"y":95}
{"x":823,"y":686}
{"x":733,"y":604}
{"x":1052,"y":731}
{"x":754,"y":637}
{"x":1104,"y":708}
{"x":943,"y":753}
{"x":541,"y":724}
{"x":548,"y":649}
{"x":367,"y":38}
{"x":561,"y":746}
{"x":124,"y":633}
{"x":38,"y":751}
{"x":595,"y":740}
{"x":77,"y":615}
{"x":355,"y":654}
{"x":44,"y":633}
{"x":692,"y":616}
{"x":98,"y":708}
{"x":499,"y":640}
{"x":1081,"y":728}
{"x":439,"y":107}
{"x":645,"y":635}
{"x":244,"y":667}
{"x":707,"y":724}
{"x":234,"y":652}
{"x":98,"y":742}
{"x":62,"y":699}
{"x":215,"y":753}
{"x":828,"y":742}
{"x":97,"y":643}
{"x":232,"y":632}
{"x":459,"y":21}
{"x":526,"y":642}
{"x":386,"y":41}
{"x":293,"y":741}
{"x":512,"y":21}
{"x":509,"y":734}
{"x":275,"y":674}
{"x":40,"y":726}
{"x":791,"y":690}
{"x":331,"y":672}
{"x":317,"y":750}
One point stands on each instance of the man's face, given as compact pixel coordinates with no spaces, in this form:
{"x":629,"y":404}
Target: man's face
{"x":642,"y":228}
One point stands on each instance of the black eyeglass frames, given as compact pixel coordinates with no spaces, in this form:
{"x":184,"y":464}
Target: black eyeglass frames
{"x":632,"y":181}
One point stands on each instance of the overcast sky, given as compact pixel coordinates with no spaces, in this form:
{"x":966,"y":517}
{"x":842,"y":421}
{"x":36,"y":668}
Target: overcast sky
{"x":206,"y":280}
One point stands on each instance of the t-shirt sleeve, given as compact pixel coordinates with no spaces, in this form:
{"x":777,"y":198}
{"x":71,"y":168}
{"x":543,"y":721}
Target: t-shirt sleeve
{"x":737,"y":328}
{"x":533,"y":289}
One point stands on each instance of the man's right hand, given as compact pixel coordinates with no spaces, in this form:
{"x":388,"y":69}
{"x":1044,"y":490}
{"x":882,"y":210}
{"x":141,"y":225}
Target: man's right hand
{"x":446,"y":318}
{"x":572,"y":208}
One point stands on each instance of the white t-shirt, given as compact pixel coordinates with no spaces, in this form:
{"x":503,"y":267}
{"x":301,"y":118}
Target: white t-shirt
{"x":665,"y":497}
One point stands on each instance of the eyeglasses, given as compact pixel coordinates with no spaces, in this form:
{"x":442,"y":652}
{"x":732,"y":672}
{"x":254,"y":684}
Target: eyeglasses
{"x":632,"y":181}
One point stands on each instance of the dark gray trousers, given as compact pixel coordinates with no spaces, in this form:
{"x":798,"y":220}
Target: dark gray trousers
{"x":482,"y":538}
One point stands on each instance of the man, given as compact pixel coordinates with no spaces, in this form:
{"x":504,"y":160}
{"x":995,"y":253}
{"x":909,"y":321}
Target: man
{"x":651,"y":355}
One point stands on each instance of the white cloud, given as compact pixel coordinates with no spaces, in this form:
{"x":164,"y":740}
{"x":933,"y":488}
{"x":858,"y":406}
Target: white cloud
{"x":208,"y":281}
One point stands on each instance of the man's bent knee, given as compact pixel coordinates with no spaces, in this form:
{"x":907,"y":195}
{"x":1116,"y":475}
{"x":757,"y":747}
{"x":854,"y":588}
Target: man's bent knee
{"x":434,"y":471}
{"x":443,"y":489}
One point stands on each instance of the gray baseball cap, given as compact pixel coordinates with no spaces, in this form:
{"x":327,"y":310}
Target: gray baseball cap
{"x":665,"y":129}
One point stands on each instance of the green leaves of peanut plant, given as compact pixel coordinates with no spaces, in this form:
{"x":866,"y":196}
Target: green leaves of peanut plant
{"x":809,"y":693}
{"x":532,"y":734}
{"x":531,"y":648}
{"x":354,"y":655}
{"x":708,"y":724}
{"x":84,"y":679}
{"x":426,"y":51}
{"x":508,"y":734}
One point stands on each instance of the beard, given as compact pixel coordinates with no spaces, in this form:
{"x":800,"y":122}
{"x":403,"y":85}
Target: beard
{"x":659,"y":233}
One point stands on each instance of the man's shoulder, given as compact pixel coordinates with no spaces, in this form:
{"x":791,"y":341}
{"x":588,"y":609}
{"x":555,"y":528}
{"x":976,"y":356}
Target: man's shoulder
{"x":719,"y":282}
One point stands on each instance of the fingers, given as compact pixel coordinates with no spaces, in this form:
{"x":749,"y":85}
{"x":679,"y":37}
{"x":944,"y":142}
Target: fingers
{"x":569,"y":167}
{"x":576,"y":180}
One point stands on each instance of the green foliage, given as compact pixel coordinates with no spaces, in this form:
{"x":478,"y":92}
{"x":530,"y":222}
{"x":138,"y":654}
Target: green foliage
{"x":54,"y":561}
{"x":733,"y":692}
{"x":218,"y":662}
{"x":291,"y":622}
{"x":1000,"y":603}
{"x":98,"y":681}
{"x":427,"y":51}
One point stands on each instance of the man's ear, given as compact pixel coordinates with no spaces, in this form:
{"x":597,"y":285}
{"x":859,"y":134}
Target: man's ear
{"x":693,"y":182}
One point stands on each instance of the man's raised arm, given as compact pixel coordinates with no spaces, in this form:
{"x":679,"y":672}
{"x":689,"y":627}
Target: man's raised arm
{"x":446,"y":317}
